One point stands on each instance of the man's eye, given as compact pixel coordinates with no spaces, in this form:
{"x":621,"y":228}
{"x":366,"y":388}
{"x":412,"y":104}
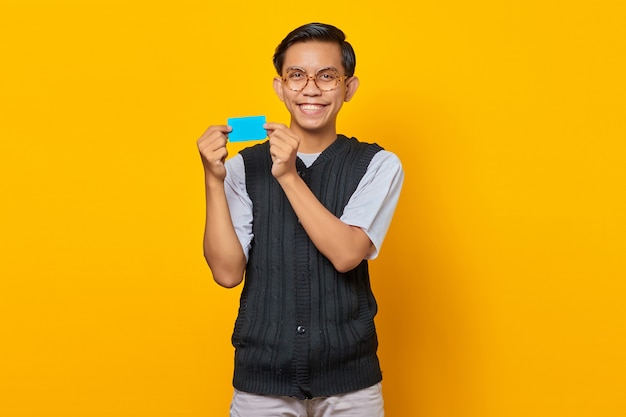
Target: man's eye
{"x":296,"y":75}
{"x":326,"y":76}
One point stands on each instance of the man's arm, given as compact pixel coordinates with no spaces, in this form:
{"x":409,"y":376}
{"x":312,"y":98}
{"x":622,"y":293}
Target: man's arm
{"x":344,"y":245}
{"x":222,"y":249}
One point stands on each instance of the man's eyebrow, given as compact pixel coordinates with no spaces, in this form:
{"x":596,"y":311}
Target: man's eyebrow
{"x":327,"y":68}
{"x":294,"y":68}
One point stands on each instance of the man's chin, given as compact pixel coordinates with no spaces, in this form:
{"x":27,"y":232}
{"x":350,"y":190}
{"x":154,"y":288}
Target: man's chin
{"x":313,"y":126}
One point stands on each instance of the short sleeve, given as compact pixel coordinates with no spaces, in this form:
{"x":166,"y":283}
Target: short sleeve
{"x":372,"y":205}
{"x":239,"y":202}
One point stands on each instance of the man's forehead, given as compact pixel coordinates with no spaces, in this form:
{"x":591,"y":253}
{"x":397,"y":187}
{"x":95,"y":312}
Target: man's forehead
{"x":313,"y":55}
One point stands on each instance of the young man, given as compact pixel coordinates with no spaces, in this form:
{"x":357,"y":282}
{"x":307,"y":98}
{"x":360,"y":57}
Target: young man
{"x":300,"y":215}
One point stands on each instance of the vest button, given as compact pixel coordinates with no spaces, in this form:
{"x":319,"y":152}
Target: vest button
{"x":301,"y":329}
{"x":302,"y":174}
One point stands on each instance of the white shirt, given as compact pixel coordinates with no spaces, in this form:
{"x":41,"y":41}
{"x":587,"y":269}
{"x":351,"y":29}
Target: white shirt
{"x":370,"y":207}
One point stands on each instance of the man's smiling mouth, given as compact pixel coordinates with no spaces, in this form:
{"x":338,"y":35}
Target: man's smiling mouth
{"x":311,"y":107}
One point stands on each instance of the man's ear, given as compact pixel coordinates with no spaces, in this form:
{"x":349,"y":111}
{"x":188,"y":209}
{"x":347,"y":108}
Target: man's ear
{"x":351,"y":86}
{"x":278,"y":87}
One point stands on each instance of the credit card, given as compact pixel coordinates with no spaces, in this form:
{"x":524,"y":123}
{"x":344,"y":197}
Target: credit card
{"x":247,"y":128}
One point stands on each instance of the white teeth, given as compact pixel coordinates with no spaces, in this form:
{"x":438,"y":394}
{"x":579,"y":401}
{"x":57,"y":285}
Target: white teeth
{"x":311,"y":106}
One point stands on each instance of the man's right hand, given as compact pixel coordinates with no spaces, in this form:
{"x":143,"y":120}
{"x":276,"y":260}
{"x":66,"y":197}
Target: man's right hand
{"x":212,"y":147}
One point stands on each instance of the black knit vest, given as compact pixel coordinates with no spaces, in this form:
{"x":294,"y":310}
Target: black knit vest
{"x":304,"y":329}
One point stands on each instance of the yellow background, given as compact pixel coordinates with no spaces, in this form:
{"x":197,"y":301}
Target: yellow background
{"x":501,"y":284}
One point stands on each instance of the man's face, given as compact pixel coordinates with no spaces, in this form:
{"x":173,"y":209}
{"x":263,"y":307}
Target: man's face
{"x":313,"y":110}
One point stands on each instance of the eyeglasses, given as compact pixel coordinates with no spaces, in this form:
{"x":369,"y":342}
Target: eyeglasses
{"x":326,"y":79}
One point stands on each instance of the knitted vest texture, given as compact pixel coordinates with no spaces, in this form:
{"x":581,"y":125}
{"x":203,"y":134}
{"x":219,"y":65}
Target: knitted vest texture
{"x":304,"y":329}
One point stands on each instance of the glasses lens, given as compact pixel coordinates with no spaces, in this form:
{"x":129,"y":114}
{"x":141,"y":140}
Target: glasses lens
{"x":327,"y":79}
{"x":295,"y":80}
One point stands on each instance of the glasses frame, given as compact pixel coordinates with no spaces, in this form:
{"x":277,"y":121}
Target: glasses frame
{"x":312,"y":77}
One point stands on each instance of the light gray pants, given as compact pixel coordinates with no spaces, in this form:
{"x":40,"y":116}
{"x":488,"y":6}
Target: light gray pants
{"x":367,"y":402}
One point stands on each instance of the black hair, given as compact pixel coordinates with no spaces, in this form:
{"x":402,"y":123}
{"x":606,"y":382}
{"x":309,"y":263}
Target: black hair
{"x":317,"y":32}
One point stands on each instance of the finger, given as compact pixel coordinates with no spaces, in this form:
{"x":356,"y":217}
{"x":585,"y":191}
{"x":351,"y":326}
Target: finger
{"x":215,"y":130}
{"x":274,"y":126}
{"x":209,"y":145}
{"x":287,"y":143}
{"x":219,"y":128}
{"x":214,"y":135}
{"x":281,"y":145}
{"x":283,"y":133}
{"x":215,"y":158}
{"x":220,"y":156}
{"x":212,"y":144}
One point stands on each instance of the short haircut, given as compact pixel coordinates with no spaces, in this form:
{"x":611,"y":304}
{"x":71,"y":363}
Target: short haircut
{"x":317,"y":32}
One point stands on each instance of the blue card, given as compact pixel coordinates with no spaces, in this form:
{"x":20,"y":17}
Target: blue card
{"x":247,"y":128}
